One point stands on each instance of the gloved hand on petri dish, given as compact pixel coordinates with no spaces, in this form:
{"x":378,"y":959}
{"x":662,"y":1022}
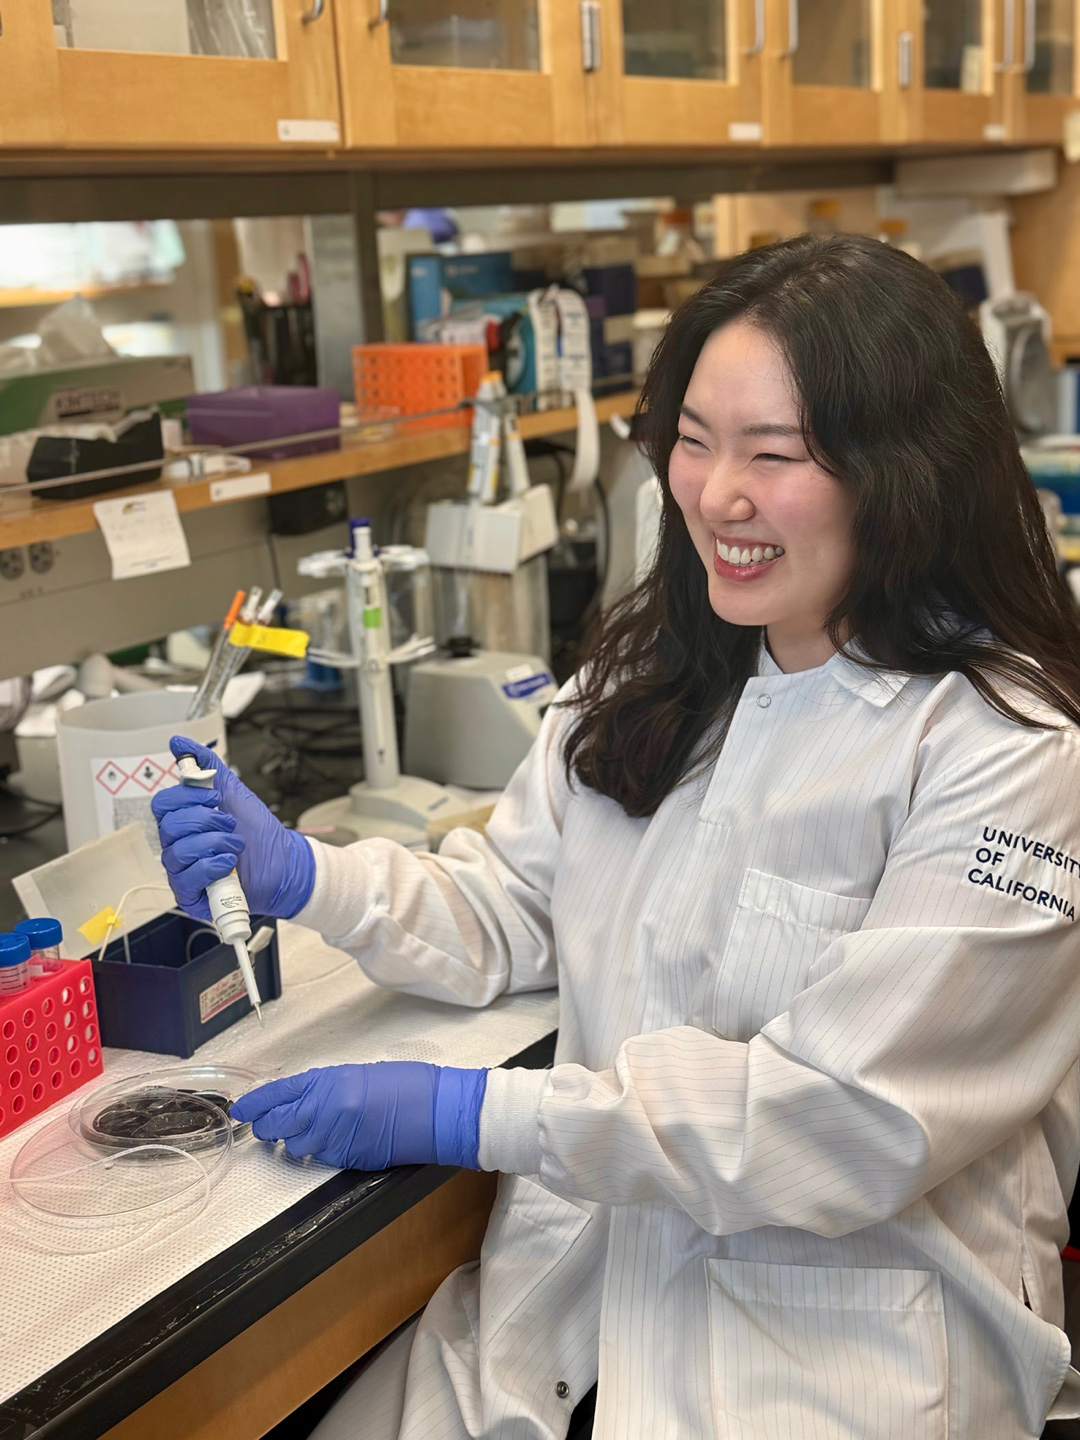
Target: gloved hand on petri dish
{"x":206,"y":834}
{"x":370,"y":1117}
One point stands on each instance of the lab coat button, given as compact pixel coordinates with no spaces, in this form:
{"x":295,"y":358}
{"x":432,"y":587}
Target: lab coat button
{"x":562,"y":1390}
{"x":764,"y":701}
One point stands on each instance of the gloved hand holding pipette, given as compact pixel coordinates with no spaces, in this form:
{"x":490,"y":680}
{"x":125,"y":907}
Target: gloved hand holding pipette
{"x":206,"y":834}
{"x":369,"y":1117}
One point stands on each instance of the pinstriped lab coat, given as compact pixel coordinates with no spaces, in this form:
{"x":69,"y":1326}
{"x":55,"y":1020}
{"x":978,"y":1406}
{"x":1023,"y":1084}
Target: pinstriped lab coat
{"x":801,"y":1168}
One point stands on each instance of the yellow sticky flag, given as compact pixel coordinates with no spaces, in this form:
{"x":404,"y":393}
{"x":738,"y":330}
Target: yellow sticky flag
{"x":272,"y":639}
{"x":99,"y":925}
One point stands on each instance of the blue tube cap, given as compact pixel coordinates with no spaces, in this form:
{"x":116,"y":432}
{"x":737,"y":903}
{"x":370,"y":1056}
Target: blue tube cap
{"x":42,"y":932}
{"x":14,"y":950}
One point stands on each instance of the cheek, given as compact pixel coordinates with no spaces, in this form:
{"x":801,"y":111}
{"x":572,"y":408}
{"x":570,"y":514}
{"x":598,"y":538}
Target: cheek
{"x":685,"y":489}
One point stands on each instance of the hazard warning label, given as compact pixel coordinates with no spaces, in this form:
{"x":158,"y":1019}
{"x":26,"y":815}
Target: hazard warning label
{"x":124,"y":786}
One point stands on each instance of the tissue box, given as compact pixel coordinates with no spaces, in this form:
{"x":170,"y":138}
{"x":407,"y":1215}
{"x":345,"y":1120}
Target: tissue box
{"x":170,"y":985}
{"x":101,"y":390}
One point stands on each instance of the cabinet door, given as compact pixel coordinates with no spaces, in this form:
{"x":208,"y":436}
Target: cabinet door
{"x":1047,"y":65}
{"x":962,"y":70}
{"x":205,"y":74}
{"x":29,"y":109}
{"x":684,"y":72}
{"x":826,"y":80}
{"x":463,"y":74}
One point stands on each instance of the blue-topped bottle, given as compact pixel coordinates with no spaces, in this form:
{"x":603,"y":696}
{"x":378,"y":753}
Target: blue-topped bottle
{"x":45,"y":936}
{"x":14,"y":964}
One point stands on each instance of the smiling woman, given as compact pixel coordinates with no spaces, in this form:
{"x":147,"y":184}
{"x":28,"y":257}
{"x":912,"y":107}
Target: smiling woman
{"x":828,"y":398}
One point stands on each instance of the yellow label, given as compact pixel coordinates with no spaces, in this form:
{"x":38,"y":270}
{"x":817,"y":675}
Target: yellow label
{"x":270,"y":638}
{"x":99,"y":925}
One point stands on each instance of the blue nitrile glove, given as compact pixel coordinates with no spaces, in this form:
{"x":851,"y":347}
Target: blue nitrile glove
{"x":369,"y":1117}
{"x":201,"y":843}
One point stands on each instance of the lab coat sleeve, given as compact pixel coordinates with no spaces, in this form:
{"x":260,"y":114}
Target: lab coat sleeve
{"x":920,"y":1042}
{"x":469,"y":923}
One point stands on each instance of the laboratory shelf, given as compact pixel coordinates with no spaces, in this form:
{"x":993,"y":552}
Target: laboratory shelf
{"x":28,"y":520}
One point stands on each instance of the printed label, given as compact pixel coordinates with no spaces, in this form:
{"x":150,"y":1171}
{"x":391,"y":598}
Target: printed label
{"x":524,"y":689}
{"x":123,"y":785}
{"x":219,"y":996}
{"x":309,"y":132}
{"x":239,"y":487}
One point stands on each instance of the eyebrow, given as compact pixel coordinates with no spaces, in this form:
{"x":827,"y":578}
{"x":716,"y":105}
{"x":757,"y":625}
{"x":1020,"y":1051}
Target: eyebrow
{"x":765,"y":427}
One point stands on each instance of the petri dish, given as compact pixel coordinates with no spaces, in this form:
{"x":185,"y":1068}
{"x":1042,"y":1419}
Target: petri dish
{"x":134,"y":1158}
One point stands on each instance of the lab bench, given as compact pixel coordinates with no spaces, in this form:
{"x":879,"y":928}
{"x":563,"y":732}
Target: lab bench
{"x":246,"y":1338}
{"x":220,"y":1328}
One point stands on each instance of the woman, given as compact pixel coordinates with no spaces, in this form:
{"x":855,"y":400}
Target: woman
{"x":802,"y":848}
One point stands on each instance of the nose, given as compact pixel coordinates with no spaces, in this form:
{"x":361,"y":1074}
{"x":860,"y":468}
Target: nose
{"x":724,"y":498}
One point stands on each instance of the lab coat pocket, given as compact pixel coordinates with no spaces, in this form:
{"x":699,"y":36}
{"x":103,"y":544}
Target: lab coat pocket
{"x":525,"y":1260}
{"x":826,"y":1353}
{"x":779,"y":929}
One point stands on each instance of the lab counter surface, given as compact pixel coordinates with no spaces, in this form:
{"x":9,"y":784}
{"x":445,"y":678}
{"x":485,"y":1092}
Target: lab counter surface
{"x":232,"y":1346}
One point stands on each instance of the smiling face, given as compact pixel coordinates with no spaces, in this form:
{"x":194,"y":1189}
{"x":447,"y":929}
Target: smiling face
{"x":772,"y":528}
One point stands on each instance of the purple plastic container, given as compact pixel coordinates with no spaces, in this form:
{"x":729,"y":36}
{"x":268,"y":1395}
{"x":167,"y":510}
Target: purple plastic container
{"x":263,"y":412}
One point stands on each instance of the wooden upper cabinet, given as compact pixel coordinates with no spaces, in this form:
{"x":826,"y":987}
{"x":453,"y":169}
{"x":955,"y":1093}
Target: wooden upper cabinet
{"x":827,"y":82}
{"x":196,"y":74}
{"x":959,"y":64}
{"x":681,"y":73}
{"x":29,"y":83}
{"x":1047,"y":69}
{"x":463,"y":74}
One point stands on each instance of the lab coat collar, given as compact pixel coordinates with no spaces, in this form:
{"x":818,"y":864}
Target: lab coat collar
{"x":879,"y":687}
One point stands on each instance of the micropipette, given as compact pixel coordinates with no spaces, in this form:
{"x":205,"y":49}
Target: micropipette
{"x":226,"y":898}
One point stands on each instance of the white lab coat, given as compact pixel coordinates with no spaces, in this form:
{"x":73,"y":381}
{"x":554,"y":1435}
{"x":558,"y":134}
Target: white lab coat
{"x":803,"y":1160}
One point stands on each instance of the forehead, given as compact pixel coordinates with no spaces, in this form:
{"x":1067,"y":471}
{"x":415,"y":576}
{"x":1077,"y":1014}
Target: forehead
{"x":741,"y":373}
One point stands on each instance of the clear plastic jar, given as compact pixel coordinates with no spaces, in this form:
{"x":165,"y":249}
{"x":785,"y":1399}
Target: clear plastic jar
{"x":14,"y":964}
{"x":45,"y":937}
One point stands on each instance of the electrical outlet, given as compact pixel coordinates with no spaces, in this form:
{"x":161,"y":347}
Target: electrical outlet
{"x":42,"y":557}
{"x":12,"y":563}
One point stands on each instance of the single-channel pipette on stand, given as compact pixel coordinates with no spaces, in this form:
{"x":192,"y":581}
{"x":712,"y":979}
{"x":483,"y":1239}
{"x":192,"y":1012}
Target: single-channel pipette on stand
{"x":228,"y":903}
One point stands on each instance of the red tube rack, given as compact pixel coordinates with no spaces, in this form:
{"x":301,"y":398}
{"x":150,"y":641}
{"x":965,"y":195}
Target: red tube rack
{"x":49,"y":1043}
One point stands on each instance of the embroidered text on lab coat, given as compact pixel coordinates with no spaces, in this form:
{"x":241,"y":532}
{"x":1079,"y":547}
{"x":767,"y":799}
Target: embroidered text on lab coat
{"x":1006,"y":885}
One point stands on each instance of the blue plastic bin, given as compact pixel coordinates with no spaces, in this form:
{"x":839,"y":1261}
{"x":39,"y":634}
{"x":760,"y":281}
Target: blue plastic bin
{"x":168,"y":1004}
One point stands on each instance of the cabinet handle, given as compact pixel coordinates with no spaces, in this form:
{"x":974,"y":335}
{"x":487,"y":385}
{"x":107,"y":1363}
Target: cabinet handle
{"x":792,"y":31}
{"x":1029,"y":36}
{"x":382,"y":17}
{"x":590,"y":36}
{"x":759,"y":30}
{"x":1008,"y":38}
{"x":315,"y":13}
{"x":904,"y":59}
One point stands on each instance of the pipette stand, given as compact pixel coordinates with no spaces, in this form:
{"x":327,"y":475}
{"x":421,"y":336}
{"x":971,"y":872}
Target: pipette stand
{"x":385,"y":803}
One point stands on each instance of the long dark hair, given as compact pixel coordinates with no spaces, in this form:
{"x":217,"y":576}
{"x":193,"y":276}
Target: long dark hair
{"x":954,"y":570}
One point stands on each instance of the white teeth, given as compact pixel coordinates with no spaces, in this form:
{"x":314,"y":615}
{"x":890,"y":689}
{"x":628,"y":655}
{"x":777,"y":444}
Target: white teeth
{"x":736,"y":555}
